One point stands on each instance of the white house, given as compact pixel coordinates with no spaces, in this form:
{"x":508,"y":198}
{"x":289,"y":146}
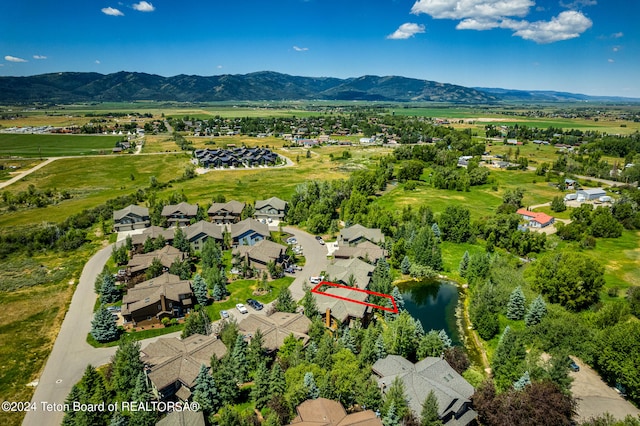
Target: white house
{"x":590,"y":194}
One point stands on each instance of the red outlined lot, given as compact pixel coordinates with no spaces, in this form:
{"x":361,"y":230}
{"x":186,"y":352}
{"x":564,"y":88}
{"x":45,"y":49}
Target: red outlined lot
{"x":393,"y":309}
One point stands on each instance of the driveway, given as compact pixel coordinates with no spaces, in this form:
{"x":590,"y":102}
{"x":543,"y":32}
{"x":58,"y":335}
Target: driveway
{"x":316,"y":260}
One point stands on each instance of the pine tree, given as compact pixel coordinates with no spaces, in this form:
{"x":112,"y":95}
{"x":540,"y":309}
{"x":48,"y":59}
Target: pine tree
{"x":429,"y":414}
{"x":419,"y":328}
{"x":196,"y":323}
{"x":128,"y":243}
{"x":436,"y":230}
{"x":464,"y":264}
{"x":309,"y":302}
{"x":348,"y":341}
{"x":118,"y":419}
{"x":405,"y":266}
{"x":522,"y":382}
{"x":310,"y":352}
{"x":76,"y":395}
{"x":391,"y":418}
{"x":261,"y":391}
{"x":225,"y":378}
{"x":211,"y":254}
{"x":430,"y":345}
{"x":109,"y":293}
{"x":312,"y":389}
{"x":508,"y":359}
{"x":397,"y":296}
{"x":200,"y":289}
{"x":537,"y":310}
{"x":180,"y":241}
{"x":148,"y":246}
{"x":380,"y":350}
{"x":239,"y":359}
{"x":516,"y":305}
{"x":205,"y":392}
{"x":277,"y":380}
{"x":217,"y":293}
{"x":285,"y":302}
{"x":255,"y":351}
{"x":446,"y":340}
{"x":103,"y":326}
{"x":396,"y":398}
{"x":126,"y":366}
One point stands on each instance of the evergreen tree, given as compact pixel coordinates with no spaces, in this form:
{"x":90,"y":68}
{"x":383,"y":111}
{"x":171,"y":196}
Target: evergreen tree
{"x":211,"y":254}
{"x":516,"y":305}
{"x":391,"y":418}
{"x":430,"y":345}
{"x":71,"y":416}
{"x":396,"y":398}
{"x":225,"y":378}
{"x":522,"y":382}
{"x":537,"y":310}
{"x":141,"y":394}
{"x":277,"y":380}
{"x":196,"y":323}
{"x":419,"y":328}
{"x":380,"y":349}
{"x":109,"y":293}
{"x":429,"y":414}
{"x":205,"y":392}
{"x":239,"y":359}
{"x":348,"y":341}
{"x":217,"y":293}
{"x":128,"y":243}
{"x":397,"y":296}
{"x":103,"y":326}
{"x":309,"y":302}
{"x":426,"y":249}
{"x":464,"y":264}
{"x":125,"y":367}
{"x":368,"y":394}
{"x":255,"y":351}
{"x":180,"y":241}
{"x":148,"y":246}
{"x":405,"y":266}
{"x":310,"y":352}
{"x":155,"y":270}
{"x":312,"y":389}
{"x":508,"y":360}
{"x":159,"y":243}
{"x":328,"y":387}
{"x":436,"y":230}
{"x":200,"y":289}
{"x":118,"y":419}
{"x":261,"y":391}
{"x":444,"y":337}
{"x":285,"y":302}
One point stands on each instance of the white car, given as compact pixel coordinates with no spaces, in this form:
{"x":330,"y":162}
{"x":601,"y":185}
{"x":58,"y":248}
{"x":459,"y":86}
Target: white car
{"x":316,"y":280}
{"x":241,"y":308}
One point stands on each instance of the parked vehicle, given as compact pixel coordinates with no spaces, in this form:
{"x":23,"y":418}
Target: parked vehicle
{"x":224,"y":314}
{"x":573,"y":366}
{"x":316,"y":280}
{"x":241,"y":308}
{"x":255,"y":304}
{"x":292,"y":240}
{"x":321,"y":241}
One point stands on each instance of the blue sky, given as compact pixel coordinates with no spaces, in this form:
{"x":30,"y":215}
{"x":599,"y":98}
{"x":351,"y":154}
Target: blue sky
{"x":584,"y":46}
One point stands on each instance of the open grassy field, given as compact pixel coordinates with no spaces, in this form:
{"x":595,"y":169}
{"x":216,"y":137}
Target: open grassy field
{"x":37,"y":145}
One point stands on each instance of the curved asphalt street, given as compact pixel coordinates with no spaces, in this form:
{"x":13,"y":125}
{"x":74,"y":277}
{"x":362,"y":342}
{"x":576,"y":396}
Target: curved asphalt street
{"x":71,"y":353}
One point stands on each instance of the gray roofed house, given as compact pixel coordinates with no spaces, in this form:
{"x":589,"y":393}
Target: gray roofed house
{"x":452,"y":391}
{"x":261,"y":253}
{"x":365,"y":250}
{"x":154,"y":299}
{"x":130,"y":218}
{"x":357,"y":234}
{"x":339,"y":311}
{"x":200,"y":231}
{"x":173,"y":364}
{"x":152,"y":232}
{"x":340,"y":271}
{"x":182,"y":418}
{"x":326,"y":412}
{"x":590,"y":194}
{"x":180,"y":214}
{"x":276,"y":327}
{"x":223,"y":213}
{"x":248,"y":232}
{"x":272,"y":208}
{"x":141,"y":262}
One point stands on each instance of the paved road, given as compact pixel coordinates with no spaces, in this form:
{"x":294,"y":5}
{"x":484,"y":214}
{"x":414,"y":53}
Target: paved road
{"x":71,"y":353}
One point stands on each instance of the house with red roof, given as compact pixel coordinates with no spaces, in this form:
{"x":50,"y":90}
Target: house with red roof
{"x":536,"y":219}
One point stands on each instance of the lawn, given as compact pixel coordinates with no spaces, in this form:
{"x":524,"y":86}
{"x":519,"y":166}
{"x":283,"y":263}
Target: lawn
{"x":36,"y":145}
{"x":621,"y":259}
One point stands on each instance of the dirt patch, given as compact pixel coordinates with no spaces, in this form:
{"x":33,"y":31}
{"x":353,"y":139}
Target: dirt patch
{"x":595,"y":397}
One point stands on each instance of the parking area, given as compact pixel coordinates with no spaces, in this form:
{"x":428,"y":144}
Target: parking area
{"x":595,"y":397}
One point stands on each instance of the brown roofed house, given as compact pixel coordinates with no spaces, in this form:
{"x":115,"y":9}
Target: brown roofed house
{"x":248,"y":232}
{"x":180,"y":214}
{"x":276,"y":327}
{"x":344,"y":271}
{"x":154,"y":299}
{"x":152,"y":232}
{"x":261,"y":253}
{"x":325,"y":412}
{"x":224,"y":213}
{"x":130,"y":218}
{"x":365,"y":250}
{"x":339,"y":311}
{"x":139,"y":263}
{"x":272,"y":208}
{"x":356,"y":234}
{"x":173,"y":364}
{"x":199,"y":232}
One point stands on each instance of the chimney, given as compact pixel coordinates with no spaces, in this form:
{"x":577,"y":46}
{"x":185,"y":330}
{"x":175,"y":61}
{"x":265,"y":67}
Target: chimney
{"x":328,"y":318}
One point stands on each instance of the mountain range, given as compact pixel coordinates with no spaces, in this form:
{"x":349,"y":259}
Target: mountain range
{"x":69,"y":87}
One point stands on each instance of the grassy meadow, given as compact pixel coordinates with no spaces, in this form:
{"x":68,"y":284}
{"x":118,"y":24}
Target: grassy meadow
{"x":47,"y":145}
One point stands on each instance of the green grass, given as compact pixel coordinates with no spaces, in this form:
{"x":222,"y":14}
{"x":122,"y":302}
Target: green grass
{"x":452,"y":254}
{"x":35,"y":145}
{"x":160,"y":330}
{"x":621,"y":259}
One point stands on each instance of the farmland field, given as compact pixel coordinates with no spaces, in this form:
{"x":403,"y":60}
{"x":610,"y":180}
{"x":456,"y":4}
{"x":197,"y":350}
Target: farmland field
{"x":37,"y":145}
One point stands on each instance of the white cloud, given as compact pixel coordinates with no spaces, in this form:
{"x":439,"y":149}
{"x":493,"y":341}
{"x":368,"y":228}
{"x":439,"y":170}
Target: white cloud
{"x":97,"y":62}
{"x":300,"y":49}
{"x":610,"y":60}
{"x":14,"y":59}
{"x":39,"y":57}
{"x":477,"y":24}
{"x":617,"y":35}
{"x":474,"y":9}
{"x":219,"y":67}
{"x":577,"y":4}
{"x":406,"y":30}
{"x":616,"y":48}
{"x":143,"y":6}
{"x":567,"y":25}
{"x":111,"y":11}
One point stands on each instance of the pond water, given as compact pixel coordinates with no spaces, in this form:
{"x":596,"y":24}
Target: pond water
{"x":434,"y":304}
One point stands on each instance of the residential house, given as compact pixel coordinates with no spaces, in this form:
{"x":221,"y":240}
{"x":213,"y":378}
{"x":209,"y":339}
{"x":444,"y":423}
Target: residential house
{"x":152,"y":232}
{"x":225,"y":213}
{"x":365,"y":250}
{"x":248,"y":232}
{"x":172,"y":364}
{"x":200,"y":232}
{"x":182,"y":418}
{"x":166,"y":296}
{"x":536,"y":219}
{"x":234,"y":157}
{"x":130,"y":218}
{"x":356,"y":234}
{"x":179,"y":214}
{"x":351,"y":272}
{"x":326,"y":412}
{"x":261,"y":253}
{"x":452,"y":391}
{"x":139,"y":263}
{"x":276,"y":327}
{"x":337,"y":310}
{"x":273,"y":208}
{"x":590,"y":194}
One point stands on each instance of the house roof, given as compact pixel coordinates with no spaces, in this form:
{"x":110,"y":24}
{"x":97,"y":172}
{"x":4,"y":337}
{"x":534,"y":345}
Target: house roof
{"x":276,"y":327}
{"x":149,"y":292}
{"x":166,"y":255}
{"x":263,"y":251}
{"x":535,"y":216}
{"x":237,"y":229}
{"x":341,"y":270}
{"x":592,"y":191}
{"x":325,"y":412}
{"x":431,"y":374}
{"x":183,"y":208}
{"x":172,"y":359}
{"x":358,"y":231}
{"x":182,"y":418}
{"x":274,"y":202}
{"x":136,"y":210}
{"x":231,"y":207}
{"x":203,"y":227}
{"x":364,"y":250}
{"x":153,"y":232}
{"x":342,"y":309}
